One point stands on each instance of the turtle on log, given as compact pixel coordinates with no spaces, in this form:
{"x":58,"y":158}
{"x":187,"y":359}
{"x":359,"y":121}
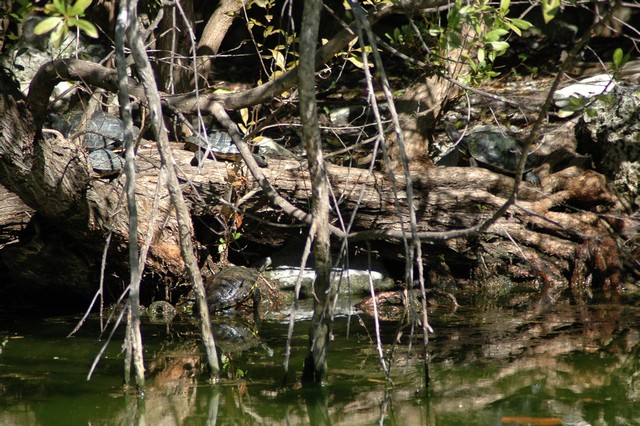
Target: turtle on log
{"x":102,"y":138}
{"x":492,"y":148}
{"x":218,"y":145}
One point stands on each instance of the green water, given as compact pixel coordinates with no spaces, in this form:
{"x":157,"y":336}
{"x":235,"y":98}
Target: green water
{"x":560,"y":365}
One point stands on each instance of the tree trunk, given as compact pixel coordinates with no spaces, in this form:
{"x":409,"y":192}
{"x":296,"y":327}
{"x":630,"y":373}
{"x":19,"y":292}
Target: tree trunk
{"x":174,"y":45}
{"x":213,"y":34}
{"x":315,"y":364}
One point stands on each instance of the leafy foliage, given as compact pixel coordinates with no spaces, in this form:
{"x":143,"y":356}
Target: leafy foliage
{"x":492,"y":27}
{"x":64,"y":15}
{"x":274,"y":43}
{"x":550,"y":9}
{"x":17,"y":13}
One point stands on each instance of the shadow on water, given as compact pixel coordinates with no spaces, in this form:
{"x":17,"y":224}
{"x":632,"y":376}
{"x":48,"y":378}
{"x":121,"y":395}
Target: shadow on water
{"x":562,"y":365}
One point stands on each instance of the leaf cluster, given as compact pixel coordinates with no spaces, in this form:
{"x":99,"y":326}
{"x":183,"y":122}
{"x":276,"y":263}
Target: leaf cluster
{"x":17,"y":14}
{"x":62,"y":16}
{"x":275,"y":43}
{"x":492,"y":27}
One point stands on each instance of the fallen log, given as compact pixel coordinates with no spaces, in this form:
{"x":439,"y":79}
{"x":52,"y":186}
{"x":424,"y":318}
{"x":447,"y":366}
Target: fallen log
{"x":560,"y":235}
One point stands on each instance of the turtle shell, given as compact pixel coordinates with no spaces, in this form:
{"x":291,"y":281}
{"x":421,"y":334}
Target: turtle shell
{"x":494,"y":149}
{"x":218,"y":142}
{"x":219,"y":145}
{"x":102,"y":131}
{"x":230,"y":287}
{"x":105,"y":162}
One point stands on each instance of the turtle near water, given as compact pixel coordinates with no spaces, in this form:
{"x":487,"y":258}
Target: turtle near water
{"x":218,"y":145}
{"x":492,"y":148}
{"x":230,"y":287}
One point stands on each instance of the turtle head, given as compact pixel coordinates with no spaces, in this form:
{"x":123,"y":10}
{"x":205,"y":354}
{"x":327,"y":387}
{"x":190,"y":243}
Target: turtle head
{"x":453,"y":134}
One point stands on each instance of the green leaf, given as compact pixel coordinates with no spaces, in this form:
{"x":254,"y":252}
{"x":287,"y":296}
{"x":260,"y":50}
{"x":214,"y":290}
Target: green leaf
{"x":617,"y":58}
{"x":21,"y":51}
{"x":88,"y":28}
{"x":564,"y":113}
{"x":504,"y":6}
{"x":279,"y":59}
{"x":59,"y":33}
{"x":78,"y":8}
{"x":576,"y":101}
{"x":60,"y":6}
{"x":47,"y":25}
{"x":465,"y":10}
{"x":521,"y":23}
{"x":514,"y":28}
{"x":496,"y":34}
{"x":244,"y":115}
{"x":356,"y":61}
{"x":499,"y":46}
{"x":550,"y":9}
{"x":482,"y":56}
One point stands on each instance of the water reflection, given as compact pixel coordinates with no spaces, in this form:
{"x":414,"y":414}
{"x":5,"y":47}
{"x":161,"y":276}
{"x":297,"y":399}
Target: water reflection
{"x":556,"y":365}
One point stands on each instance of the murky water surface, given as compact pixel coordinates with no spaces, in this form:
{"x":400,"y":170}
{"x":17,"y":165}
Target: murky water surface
{"x":553,"y":365}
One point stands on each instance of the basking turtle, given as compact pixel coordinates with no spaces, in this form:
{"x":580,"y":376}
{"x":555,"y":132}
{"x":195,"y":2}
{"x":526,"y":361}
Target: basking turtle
{"x":218,"y":145}
{"x":102,"y":131}
{"x":230,"y":287}
{"x":493,"y":149}
{"x":105,"y":162}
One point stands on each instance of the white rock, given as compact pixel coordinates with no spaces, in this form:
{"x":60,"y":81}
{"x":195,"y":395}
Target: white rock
{"x":586,"y":88}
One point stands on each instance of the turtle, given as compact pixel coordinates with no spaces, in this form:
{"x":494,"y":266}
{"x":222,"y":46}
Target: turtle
{"x":492,"y":148}
{"x":230,"y":287}
{"x":102,"y":131}
{"x":218,"y":145}
{"x":161,"y":311}
{"x":105,"y":162}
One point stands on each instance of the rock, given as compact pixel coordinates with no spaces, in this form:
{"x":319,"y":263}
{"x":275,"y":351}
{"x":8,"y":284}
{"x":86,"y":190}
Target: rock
{"x":609,"y":131}
{"x":358,"y":279}
{"x":586,"y":88}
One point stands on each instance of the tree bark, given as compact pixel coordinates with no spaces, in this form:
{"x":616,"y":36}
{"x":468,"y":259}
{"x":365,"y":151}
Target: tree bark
{"x":537,"y":239}
{"x":213,"y":34}
{"x":315,"y":364}
{"x":176,"y":29}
